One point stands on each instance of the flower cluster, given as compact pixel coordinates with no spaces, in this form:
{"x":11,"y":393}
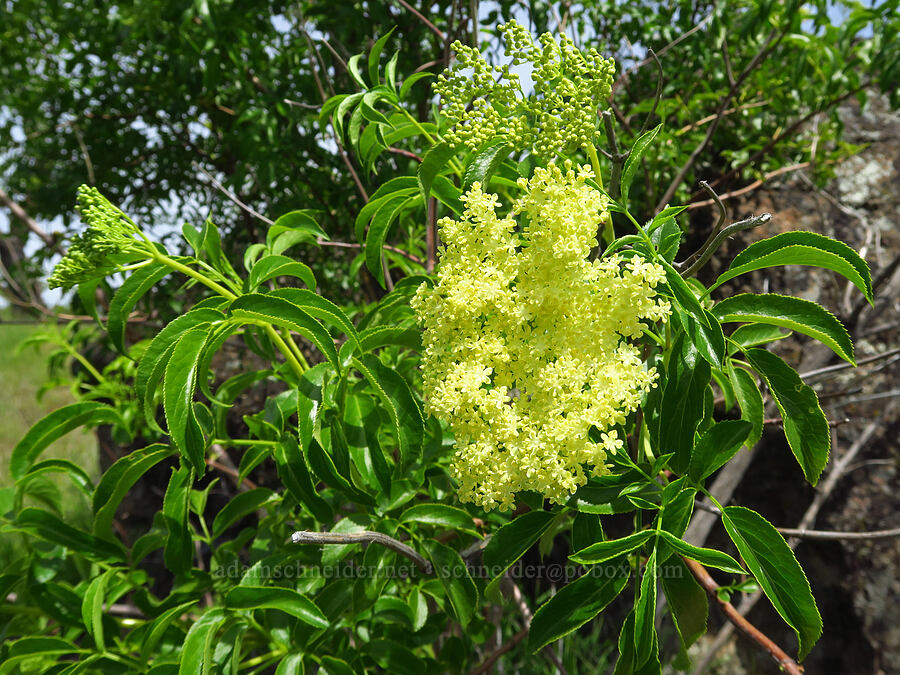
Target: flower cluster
{"x":526,"y":339}
{"x":483,"y":101}
{"x":109,"y":233}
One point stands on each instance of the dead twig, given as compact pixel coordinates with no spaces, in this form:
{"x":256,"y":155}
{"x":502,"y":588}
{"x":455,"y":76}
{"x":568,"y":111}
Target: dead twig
{"x":303,"y":537}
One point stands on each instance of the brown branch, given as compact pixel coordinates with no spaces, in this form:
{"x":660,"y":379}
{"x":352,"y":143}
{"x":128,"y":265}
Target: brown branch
{"x":752,"y":186}
{"x":709,"y":118}
{"x":785,"y":662}
{"x":30,"y":222}
{"x":839,"y":468}
{"x":487,"y":664}
{"x":302,"y":537}
{"x":421,"y":17}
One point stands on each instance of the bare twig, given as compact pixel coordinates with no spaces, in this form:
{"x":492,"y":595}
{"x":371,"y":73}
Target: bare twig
{"x":827,"y":535}
{"x":302,"y":537}
{"x":421,"y":17}
{"x":709,"y":584}
{"x":30,"y":222}
{"x":488,"y":663}
{"x":713,"y":243}
{"x":751,"y":186}
{"x":810,"y":374}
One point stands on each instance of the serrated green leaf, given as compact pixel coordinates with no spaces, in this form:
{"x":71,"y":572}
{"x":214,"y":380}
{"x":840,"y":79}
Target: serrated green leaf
{"x":135,"y":286}
{"x":51,"y":528}
{"x":92,"y":608}
{"x":440,"y":515}
{"x":294,"y":473}
{"x":454,"y":577}
{"x":684,"y":296}
{"x":681,"y":408}
{"x":434,"y":160}
{"x":378,"y":230}
{"x":271,"y":597}
{"x":688,"y":602}
{"x":353,"y":69}
{"x":411,"y":80}
{"x":319,"y":307}
{"x":55,"y":425}
{"x":802,"y":248}
{"x":280,"y":312}
{"x":196,"y":653}
{"x":645,"y":614}
{"x":179,"y":384}
{"x":777,"y":571}
{"x":272,"y":266}
{"x":753,"y":335}
{"x":375,"y":55}
{"x":483,"y":165}
{"x":805,"y":426}
{"x":705,"y":556}
{"x":76,"y":474}
{"x":401,"y":406}
{"x":178,"y":550}
{"x":634,"y":158}
{"x":716,"y":446}
{"x":241,"y":505}
{"x":802,"y":316}
{"x":607,"y":550}
{"x":575,"y":604}
{"x":158,"y":627}
{"x":513,"y":539}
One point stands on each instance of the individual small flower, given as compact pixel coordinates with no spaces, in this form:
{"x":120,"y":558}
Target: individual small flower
{"x":97,"y":251}
{"x":526,"y":340}
{"x":483,"y":101}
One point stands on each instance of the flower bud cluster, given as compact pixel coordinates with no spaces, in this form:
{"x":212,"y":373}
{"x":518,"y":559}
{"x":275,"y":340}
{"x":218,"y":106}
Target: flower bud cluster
{"x":109,"y":232}
{"x":526,"y":340}
{"x":483,"y":101}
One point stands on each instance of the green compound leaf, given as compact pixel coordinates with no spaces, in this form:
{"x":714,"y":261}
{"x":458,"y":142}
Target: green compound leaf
{"x":92,"y":608}
{"x":242,"y":505}
{"x":273,"y":266}
{"x":511,"y":541}
{"x":777,"y":571}
{"x":398,"y":400}
{"x":118,"y":480}
{"x":378,"y":230}
{"x":440,"y":515}
{"x":458,"y":586}
{"x":136,"y":285}
{"x":750,"y":399}
{"x":179,"y":385}
{"x":716,"y":446}
{"x":805,"y":426}
{"x":687,"y":601}
{"x":575,"y":604}
{"x":645,"y":614}
{"x":434,"y":160}
{"x":197,"y":652}
{"x":158,"y":627}
{"x":375,"y":55}
{"x":321,"y":308}
{"x":705,"y":556}
{"x":802,"y":248}
{"x":634,"y":159}
{"x":795,"y":314}
{"x":607,"y":550}
{"x":178,"y":551}
{"x":270,"y":597}
{"x":280,"y":312}
{"x":54,"y":426}
{"x":484,"y":164}
{"x":681,"y":408}
{"x":51,"y":528}
{"x":294,"y":473}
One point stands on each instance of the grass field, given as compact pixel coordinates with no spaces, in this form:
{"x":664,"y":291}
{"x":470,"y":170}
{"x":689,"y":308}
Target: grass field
{"x":21,"y":376}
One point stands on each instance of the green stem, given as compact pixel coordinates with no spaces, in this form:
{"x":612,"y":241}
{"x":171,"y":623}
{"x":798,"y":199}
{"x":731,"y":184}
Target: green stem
{"x":595,"y":163}
{"x":84,"y":362}
{"x":193,"y":274}
{"x":428,"y":137}
{"x":240,"y":441}
{"x":299,"y":368}
{"x":294,"y":348}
